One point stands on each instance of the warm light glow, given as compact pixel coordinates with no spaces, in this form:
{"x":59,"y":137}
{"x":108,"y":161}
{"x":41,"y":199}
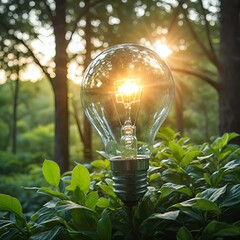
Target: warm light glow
{"x":128,"y":88}
{"x":128,"y":91}
{"x":162,"y":49}
{"x":32,"y":73}
{"x":2,"y":77}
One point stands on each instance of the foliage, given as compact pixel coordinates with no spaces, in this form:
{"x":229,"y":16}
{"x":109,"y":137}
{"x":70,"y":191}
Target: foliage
{"x":193,"y":193}
{"x":17,"y":171}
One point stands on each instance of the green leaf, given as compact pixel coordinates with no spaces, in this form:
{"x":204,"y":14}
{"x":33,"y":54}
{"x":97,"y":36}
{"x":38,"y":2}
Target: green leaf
{"x":225,"y":139}
{"x":226,"y":196}
{"x":168,"y":188}
{"x":108,"y":190}
{"x":104,"y":227}
{"x":177,"y":151}
{"x":217,"y":229}
{"x":188,"y":157}
{"x":172,"y":215}
{"x":103,"y":202}
{"x":48,"y":235}
{"x":217,"y":177}
{"x":102,"y":164}
{"x":207,"y":178}
{"x":11,"y":204}
{"x":184,"y":234}
{"x":51,"y":172}
{"x":213,"y":194}
{"x":154,"y":176}
{"x":232,"y":165}
{"x":166,"y":134}
{"x":80,"y":217}
{"x":224,"y":155}
{"x":10,"y":234}
{"x":91,"y":199}
{"x":232,"y":136}
{"x":232,"y":196}
{"x":80,"y":178}
{"x":53,"y":193}
{"x":200,"y":204}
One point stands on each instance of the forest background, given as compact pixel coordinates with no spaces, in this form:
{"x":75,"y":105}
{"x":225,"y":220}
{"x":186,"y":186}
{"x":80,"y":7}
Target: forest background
{"x":46,"y":45}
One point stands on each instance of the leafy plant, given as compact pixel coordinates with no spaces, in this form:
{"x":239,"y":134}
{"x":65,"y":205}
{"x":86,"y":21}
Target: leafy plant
{"x":193,"y":193}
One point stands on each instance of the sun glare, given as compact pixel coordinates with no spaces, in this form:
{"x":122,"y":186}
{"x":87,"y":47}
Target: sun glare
{"x":2,"y":77}
{"x":32,"y":73}
{"x":162,"y":49}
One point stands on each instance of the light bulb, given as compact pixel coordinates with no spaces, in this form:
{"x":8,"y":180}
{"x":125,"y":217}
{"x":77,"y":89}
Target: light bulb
{"x":127,"y":92}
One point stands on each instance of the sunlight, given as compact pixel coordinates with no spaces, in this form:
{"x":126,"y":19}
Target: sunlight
{"x":32,"y":73}
{"x":2,"y":77}
{"x":162,"y":49}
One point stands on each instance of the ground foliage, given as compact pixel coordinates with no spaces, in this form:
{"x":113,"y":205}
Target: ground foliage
{"x":193,"y":193}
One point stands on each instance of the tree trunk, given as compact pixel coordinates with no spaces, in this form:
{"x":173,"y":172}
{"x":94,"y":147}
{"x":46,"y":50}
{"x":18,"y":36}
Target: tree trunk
{"x":15,"y":104}
{"x":179,"y":110}
{"x":229,"y":100}
{"x":87,"y":126}
{"x":60,"y":88}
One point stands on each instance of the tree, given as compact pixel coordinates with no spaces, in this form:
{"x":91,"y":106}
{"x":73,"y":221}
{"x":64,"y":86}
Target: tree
{"x":20,"y":28}
{"x":229,"y":101}
{"x":226,"y":63}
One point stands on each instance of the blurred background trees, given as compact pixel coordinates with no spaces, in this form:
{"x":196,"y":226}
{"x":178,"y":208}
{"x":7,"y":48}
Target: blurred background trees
{"x":52,"y":41}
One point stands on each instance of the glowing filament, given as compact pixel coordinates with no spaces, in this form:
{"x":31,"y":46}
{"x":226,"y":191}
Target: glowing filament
{"x":127,"y":91}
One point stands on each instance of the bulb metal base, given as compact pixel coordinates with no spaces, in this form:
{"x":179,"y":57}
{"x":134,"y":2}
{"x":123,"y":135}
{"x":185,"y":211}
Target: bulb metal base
{"x":130,"y":178}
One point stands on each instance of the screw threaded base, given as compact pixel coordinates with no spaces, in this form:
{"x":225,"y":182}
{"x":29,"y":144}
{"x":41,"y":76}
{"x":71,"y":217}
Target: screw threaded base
{"x":130,"y":178}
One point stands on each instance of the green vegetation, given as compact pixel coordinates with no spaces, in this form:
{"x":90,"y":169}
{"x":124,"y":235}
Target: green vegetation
{"x":194,"y":187}
{"x":193,"y":193}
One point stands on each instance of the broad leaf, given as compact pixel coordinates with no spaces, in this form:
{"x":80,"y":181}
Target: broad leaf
{"x":184,"y":234}
{"x":213,"y":194}
{"x":102,"y":164}
{"x":53,"y":193}
{"x":200,"y":204}
{"x":103,"y":202}
{"x":217,"y":229}
{"x":168,"y":188}
{"x":104,"y":227}
{"x":172,"y":215}
{"x":177,"y":150}
{"x":108,"y":190}
{"x":188,"y":157}
{"x":80,"y":178}
{"x":232,"y":196}
{"x":51,"y":172}
{"x":80,"y":217}
{"x":11,"y":204}
{"x":48,"y":235}
{"x":91,"y":199}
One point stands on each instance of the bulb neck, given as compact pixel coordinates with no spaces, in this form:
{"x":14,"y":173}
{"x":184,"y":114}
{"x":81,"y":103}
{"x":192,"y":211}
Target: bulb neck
{"x":130,"y":178}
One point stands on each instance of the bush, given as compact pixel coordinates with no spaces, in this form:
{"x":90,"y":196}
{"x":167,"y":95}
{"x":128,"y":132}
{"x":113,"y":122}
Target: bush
{"x":193,"y":193}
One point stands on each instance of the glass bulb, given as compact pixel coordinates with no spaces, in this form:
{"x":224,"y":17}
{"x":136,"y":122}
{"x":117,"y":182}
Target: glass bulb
{"x":127,"y":92}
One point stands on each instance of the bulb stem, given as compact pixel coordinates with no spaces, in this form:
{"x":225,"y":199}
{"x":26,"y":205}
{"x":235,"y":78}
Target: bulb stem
{"x":127,"y":107}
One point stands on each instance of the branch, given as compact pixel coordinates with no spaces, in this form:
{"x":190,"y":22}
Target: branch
{"x":208,"y":32}
{"x":174,"y":18}
{"x":198,"y":40}
{"x":35,"y":59}
{"x":82,"y":12}
{"x":206,"y":79}
{"x":49,"y":10}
